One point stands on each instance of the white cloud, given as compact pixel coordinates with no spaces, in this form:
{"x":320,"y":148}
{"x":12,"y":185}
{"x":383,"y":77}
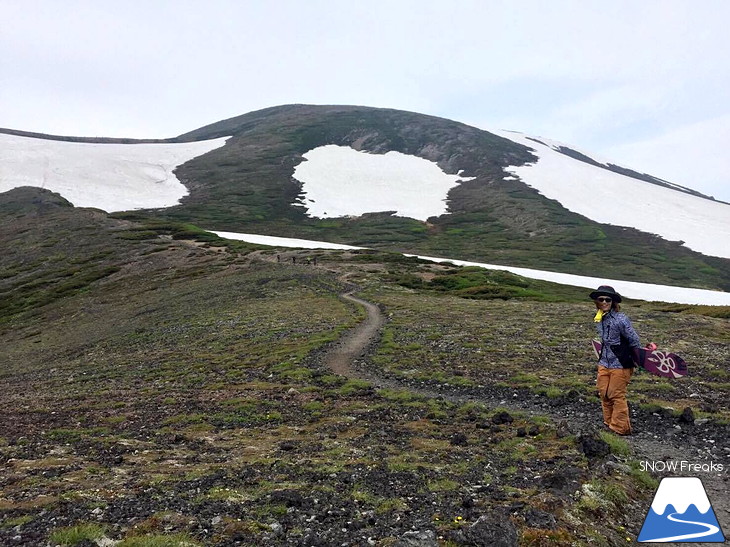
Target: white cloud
{"x":603,"y":73}
{"x":693,"y":155}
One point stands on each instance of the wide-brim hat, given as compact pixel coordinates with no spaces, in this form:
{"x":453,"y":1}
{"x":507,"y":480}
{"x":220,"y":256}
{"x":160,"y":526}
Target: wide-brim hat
{"x":605,"y":290}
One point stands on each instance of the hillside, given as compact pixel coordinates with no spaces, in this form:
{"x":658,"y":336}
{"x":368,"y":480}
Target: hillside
{"x":247,"y":186}
{"x":166,"y":387}
{"x":503,"y":210}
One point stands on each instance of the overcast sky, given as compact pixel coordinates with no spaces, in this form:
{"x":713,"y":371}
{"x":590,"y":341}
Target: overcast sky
{"x":640,"y":82}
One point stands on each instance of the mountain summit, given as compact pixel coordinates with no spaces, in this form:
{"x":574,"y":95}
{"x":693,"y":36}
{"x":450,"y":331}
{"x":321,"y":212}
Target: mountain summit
{"x":409,"y":182}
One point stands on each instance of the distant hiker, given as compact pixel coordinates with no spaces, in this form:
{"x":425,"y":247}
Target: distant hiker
{"x":616,"y":361}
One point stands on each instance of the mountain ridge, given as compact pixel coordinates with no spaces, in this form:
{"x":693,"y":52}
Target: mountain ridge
{"x":163,"y":386}
{"x":236,"y":124}
{"x":247,"y":185}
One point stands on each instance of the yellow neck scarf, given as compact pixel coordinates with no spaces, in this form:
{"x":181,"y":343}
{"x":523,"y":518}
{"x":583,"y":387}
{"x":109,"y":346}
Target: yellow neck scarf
{"x":599,"y":316}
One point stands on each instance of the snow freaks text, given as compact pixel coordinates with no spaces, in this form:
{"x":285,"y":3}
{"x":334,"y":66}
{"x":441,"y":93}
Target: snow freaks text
{"x":681,"y":466}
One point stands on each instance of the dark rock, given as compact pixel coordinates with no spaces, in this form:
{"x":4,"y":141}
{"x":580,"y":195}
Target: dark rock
{"x":562,"y":430}
{"x":521,"y":432}
{"x":502,"y":417}
{"x":426,"y":538}
{"x":534,"y":431}
{"x":687,"y":417}
{"x":459,"y":439}
{"x":288,"y":446}
{"x":593,"y":446}
{"x":565,"y":480}
{"x":534,"y":518}
{"x":290,"y":498}
{"x":491,"y":531}
{"x":467,"y":503}
{"x":666,"y":412}
{"x":314,"y":540}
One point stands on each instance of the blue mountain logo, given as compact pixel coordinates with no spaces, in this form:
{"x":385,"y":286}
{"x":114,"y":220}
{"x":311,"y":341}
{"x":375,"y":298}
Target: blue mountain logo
{"x":681,"y":512}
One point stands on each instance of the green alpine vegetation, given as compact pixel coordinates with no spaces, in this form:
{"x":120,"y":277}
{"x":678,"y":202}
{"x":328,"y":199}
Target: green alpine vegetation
{"x":247,"y":186}
{"x":162,"y":386}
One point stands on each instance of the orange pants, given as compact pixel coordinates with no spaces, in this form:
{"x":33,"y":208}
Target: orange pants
{"x":611,"y":384}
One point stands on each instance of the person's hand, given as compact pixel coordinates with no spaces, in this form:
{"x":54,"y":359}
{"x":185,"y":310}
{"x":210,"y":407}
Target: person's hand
{"x":651,"y":346}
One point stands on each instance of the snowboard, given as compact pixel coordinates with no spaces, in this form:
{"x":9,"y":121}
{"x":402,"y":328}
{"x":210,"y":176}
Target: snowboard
{"x":661,"y":363}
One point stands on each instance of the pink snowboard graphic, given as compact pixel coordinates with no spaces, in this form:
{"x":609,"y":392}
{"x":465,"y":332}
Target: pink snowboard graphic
{"x":661,"y":363}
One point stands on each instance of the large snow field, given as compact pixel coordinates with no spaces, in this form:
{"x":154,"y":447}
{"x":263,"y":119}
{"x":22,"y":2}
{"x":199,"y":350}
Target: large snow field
{"x":340,"y":181}
{"x":112,"y":177}
{"x":611,"y":198}
{"x":629,"y":289}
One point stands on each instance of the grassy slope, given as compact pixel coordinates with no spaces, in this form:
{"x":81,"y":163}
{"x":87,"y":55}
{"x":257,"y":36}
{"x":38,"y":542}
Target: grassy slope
{"x":180,"y":392}
{"x":247,"y":185}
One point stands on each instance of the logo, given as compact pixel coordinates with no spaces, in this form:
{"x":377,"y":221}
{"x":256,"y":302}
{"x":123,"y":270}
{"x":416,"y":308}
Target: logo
{"x":681,"y":512}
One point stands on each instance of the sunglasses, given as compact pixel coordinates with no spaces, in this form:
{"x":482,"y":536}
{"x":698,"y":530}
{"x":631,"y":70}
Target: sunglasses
{"x":604,"y":299}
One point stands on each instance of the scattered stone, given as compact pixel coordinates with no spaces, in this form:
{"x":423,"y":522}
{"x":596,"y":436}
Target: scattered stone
{"x":687,"y":417}
{"x":619,"y":467}
{"x":534,"y":518}
{"x":521,"y":432}
{"x":534,"y":431}
{"x":468,"y":502}
{"x":491,"y":531}
{"x":459,"y":439}
{"x":593,"y":446}
{"x":565,"y":480}
{"x":288,"y":446}
{"x":277,"y":529}
{"x":426,"y":538}
{"x":666,"y":412}
{"x":290,"y":498}
{"x":502,"y":417}
{"x":562,"y":430}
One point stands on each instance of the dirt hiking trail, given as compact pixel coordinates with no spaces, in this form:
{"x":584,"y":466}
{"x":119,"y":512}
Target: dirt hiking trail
{"x":349,"y":357}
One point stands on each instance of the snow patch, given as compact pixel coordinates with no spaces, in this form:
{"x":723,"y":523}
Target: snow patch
{"x":112,"y":177}
{"x":611,"y":198}
{"x":629,"y":289}
{"x":273,"y":241}
{"x":339,"y":181}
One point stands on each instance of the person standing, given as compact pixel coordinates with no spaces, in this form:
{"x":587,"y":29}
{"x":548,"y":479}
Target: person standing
{"x":620,"y":343}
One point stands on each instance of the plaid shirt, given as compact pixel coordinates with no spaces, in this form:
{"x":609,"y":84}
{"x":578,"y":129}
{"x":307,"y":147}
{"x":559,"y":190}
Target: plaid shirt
{"x":610,"y":329}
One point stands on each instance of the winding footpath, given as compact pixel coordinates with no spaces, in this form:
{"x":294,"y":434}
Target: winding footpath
{"x":340,"y":358}
{"x":348,"y":357}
